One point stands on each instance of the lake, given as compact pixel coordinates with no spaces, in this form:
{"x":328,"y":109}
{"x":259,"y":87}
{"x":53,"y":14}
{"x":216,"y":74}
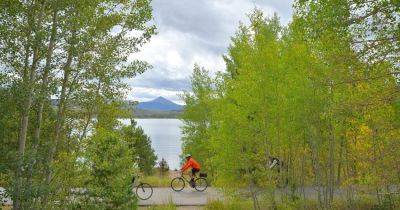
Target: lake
{"x":165,"y":135}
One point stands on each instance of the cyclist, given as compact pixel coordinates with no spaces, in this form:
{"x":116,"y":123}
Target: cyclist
{"x":274,"y":162}
{"x":191,"y":163}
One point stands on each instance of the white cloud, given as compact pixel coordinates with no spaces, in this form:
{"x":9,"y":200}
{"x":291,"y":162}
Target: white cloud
{"x":147,"y":94}
{"x":191,"y":32}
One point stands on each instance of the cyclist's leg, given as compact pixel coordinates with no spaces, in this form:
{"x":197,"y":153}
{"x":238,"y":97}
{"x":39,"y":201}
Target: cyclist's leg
{"x":194,"y":171}
{"x":133,"y":179}
{"x":192,"y":174}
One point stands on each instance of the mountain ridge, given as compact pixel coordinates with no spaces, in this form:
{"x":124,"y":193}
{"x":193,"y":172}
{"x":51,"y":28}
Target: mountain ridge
{"x":161,"y":104}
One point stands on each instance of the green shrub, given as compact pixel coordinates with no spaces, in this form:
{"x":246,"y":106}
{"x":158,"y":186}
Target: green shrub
{"x":110,"y":162}
{"x":361,"y":203}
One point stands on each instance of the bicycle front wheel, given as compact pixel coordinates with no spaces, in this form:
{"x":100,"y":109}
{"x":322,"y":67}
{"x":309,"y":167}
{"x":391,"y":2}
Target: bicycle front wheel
{"x":200,"y":184}
{"x":177,"y":184}
{"x":144,"y":191}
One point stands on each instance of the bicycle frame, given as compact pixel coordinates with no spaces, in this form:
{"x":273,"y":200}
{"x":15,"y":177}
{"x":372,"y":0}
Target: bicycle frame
{"x":182,"y":179}
{"x":187,"y":180}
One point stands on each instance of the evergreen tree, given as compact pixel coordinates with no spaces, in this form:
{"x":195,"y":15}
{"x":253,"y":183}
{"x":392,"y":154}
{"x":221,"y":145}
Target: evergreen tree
{"x":141,"y":144}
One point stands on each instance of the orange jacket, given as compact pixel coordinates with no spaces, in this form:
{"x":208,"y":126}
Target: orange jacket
{"x":191,"y":163}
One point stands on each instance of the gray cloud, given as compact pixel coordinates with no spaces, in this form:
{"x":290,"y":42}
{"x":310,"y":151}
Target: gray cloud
{"x":282,"y":7}
{"x":152,"y":79}
{"x":195,"y":17}
{"x":192,"y":31}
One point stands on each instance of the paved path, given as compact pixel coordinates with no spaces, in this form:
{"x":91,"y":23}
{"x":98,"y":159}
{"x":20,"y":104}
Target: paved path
{"x":187,"y":197}
{"x":177,"y":207}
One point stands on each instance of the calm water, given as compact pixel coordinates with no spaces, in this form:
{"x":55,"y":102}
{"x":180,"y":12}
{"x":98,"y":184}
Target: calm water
{"x":165,"y":135}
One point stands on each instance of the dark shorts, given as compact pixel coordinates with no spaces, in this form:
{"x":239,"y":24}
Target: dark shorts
{"x":195,"y":170}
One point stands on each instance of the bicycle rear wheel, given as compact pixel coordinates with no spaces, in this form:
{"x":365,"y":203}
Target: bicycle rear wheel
{"x":144,"y":191}
{"x":177,"y":184}
{"x":200,"y":184}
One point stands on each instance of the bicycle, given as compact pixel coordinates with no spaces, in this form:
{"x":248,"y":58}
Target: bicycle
{"x":200,"y":183}
{"x":143,"y":190}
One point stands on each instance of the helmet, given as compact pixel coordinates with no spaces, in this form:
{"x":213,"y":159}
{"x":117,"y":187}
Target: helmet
{"x":188,"y":155}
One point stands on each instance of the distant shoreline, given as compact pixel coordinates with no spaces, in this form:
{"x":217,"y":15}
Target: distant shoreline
{"x":177,"y":118}
{"x":157,"y":114}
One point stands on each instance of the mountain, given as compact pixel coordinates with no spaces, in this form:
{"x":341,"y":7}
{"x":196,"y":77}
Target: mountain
{"x":157,"y":108}
{"x":161,"y":104}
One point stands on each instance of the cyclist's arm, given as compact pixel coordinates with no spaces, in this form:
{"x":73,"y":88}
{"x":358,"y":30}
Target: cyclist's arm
{"x":186,"y":166}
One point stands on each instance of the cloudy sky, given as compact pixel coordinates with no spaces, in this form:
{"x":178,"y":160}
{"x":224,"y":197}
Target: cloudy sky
{"x":192,"y":31}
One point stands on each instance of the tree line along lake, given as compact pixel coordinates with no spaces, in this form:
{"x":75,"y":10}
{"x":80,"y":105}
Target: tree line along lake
{"x":165,"y":136}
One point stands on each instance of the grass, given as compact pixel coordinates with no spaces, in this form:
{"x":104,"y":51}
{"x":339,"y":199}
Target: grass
{"x":157,"y":180}
{"x":362,"y":203}
{"x":229,"y":205}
